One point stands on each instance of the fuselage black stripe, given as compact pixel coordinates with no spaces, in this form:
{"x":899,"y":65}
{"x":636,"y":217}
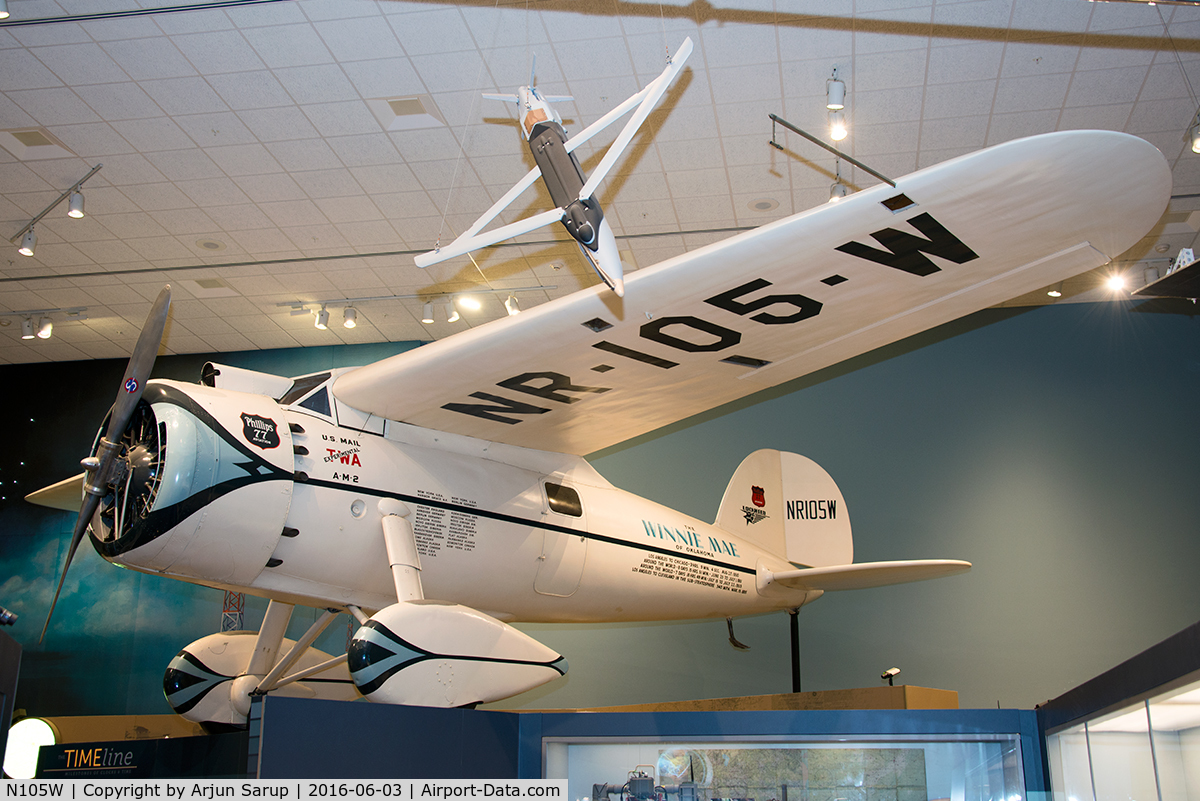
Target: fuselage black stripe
{"x":520,"y":521}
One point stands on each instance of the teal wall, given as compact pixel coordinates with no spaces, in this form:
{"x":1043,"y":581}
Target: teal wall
{"x":1055,"y":448}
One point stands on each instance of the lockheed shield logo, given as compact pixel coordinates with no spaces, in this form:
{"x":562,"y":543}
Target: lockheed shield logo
{"x":260,"y":431}
{"x":758,"y":496}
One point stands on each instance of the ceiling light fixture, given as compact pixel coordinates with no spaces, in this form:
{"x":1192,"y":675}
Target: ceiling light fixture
{"x":1115,"y":282}
{"x":349,"y":317}
{"x":452,"y":315}
{"x":1056,"y":290}
{"x":75,"y":205}
{"x":469,"y":302}
{"x":45,"y":328}
{"x":1193,"y":133}
{"x":27,"y":328}
{"x":28,"y":238}
{"x":511,"y":306}
{"x":3,"y":9}
{"x":28,"y":243}
{"x":835,"y":93}
{"x":322,"y":321}
{"x":837,"y":125}
{"x":427,"y":313}
{"x":839,"y":190}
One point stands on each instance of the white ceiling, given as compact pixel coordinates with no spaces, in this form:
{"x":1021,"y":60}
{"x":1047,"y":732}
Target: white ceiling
{"x":248,"y":126}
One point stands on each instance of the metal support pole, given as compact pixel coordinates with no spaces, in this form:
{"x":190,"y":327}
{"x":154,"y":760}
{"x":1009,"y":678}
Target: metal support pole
{"x":830,"y":148}
{"x":794,"y":624}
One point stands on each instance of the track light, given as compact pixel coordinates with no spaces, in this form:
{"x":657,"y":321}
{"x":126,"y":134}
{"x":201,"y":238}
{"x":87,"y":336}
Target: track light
{"x":1056,"y":290}
{"x":427,"y":313}
{"x":469,"y":302}
{"x":835,"y":93}
{"x":3,"y":9}
{"x":837,"y":125}
{"x":838,"y":191}
{"x":349,"y":317}
{"x":322,"y":319}
{"x":75,"y":205}
{"x":27,"y":328}
{"x":28,"y":243}
{"x":452,"y":315}
{"x":45,"y":328}
{"x":512,"y":306}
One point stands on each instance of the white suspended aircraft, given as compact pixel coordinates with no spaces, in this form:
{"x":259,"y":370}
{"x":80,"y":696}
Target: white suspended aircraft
{"x":440,"y":495}
{"x":575,"y":205}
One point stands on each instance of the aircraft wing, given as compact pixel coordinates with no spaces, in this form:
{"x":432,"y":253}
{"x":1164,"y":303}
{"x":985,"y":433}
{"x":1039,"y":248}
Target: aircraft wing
{"x":590,"y":370}
{"x":865,"y":575}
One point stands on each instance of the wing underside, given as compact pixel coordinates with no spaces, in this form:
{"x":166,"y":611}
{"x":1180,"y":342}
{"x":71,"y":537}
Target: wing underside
{"x":591,"y":370}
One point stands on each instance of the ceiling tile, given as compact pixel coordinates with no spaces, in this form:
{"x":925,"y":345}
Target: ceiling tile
{"x":319,"y":83}
{"x":119,"y":101}
{"x":250,"y":90}
{"x":218,"y":52}
{"x":183,"y":165}
{"x":22,"y":70}
{"x":147,"y":59}
{"x":237,"y":160}
{"x":440,"y":30}
{"x":58,"y":106}
{"x":1031,"y":93}
{"x":360,"y":39}
{"x":277,"y":124}
{"x":348,"y":118}
{"x":179,"y":96}
{"x":80,"y":63}
{"x":288,"y":45}
{"x":157,"y":133}
{"x":1101,"y":87}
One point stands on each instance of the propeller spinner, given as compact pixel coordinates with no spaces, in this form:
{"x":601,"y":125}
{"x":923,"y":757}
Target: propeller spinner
{"x":115,"y":460}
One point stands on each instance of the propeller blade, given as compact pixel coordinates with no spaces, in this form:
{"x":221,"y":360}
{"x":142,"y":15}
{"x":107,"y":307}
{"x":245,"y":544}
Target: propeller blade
{"x":100,"y":466}
{"x":140,"y":364}
{"x":90,"y":503}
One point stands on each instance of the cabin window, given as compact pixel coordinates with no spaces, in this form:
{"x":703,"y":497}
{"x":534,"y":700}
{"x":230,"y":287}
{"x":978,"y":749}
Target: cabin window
{"x":302,"y":386}
{"x":563,"y":500}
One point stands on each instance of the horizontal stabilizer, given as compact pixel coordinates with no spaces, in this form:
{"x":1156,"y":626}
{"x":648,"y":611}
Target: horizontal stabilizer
{"x":865,"y":575}
{"x":66,"y":494}
{"x":505,"y":98}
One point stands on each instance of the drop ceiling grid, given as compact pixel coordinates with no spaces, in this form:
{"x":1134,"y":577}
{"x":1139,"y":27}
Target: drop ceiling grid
{"x":231,"y":127}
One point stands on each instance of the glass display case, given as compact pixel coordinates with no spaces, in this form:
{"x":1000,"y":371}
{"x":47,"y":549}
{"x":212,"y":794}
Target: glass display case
{"x":1148,"y":749}
{"x":967,"y":767}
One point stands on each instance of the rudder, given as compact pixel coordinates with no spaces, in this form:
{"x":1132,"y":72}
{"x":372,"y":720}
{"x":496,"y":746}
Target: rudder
{"x":787,"y":504}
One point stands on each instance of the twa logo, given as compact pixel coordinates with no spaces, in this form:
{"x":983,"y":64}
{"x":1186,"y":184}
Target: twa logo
{"x":758,"y":497}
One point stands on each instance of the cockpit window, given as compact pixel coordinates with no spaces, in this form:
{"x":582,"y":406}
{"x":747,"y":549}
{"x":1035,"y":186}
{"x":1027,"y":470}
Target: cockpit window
{"x":318,"y":402}
{"x":302,"y":386}
{"x":564,"y":500}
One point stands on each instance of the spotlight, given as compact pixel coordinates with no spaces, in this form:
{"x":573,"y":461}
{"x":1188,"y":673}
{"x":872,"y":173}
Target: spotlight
{"x":512,"y":306}
{"x":452,"y":315}
{"x":837,"y":126}
{"x":322,"y":319}
{"x":1055,"y":291}
{"x":28,"y":243}
{"x":349,"y":318}
{"x":1115,"y":283}
{"x":1194,"y":135}
{"x":3,"y":9}
{"x":427,"y":313}
{"x":45,"y":328}
{"x":835,"y":94}
{"x":469,"y":302}
{"x":75,"y":205}
{"x":890,"y":674}
{"x":838,"y":191}
{"x":27,"y":328}
{"x":24,"y":739}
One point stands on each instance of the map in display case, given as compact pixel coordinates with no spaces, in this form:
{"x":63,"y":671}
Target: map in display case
{"x":974,"y":768}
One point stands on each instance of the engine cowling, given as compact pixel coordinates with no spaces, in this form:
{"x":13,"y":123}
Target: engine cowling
{"x":207,"y":485}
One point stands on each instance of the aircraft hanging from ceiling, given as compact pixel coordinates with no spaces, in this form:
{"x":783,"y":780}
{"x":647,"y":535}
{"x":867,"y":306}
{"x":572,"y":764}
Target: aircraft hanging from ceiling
{"x":558,"y":167}
{"x":441,"y":494}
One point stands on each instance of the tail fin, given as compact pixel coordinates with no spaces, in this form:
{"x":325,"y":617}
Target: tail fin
{"x":788,"y":505}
